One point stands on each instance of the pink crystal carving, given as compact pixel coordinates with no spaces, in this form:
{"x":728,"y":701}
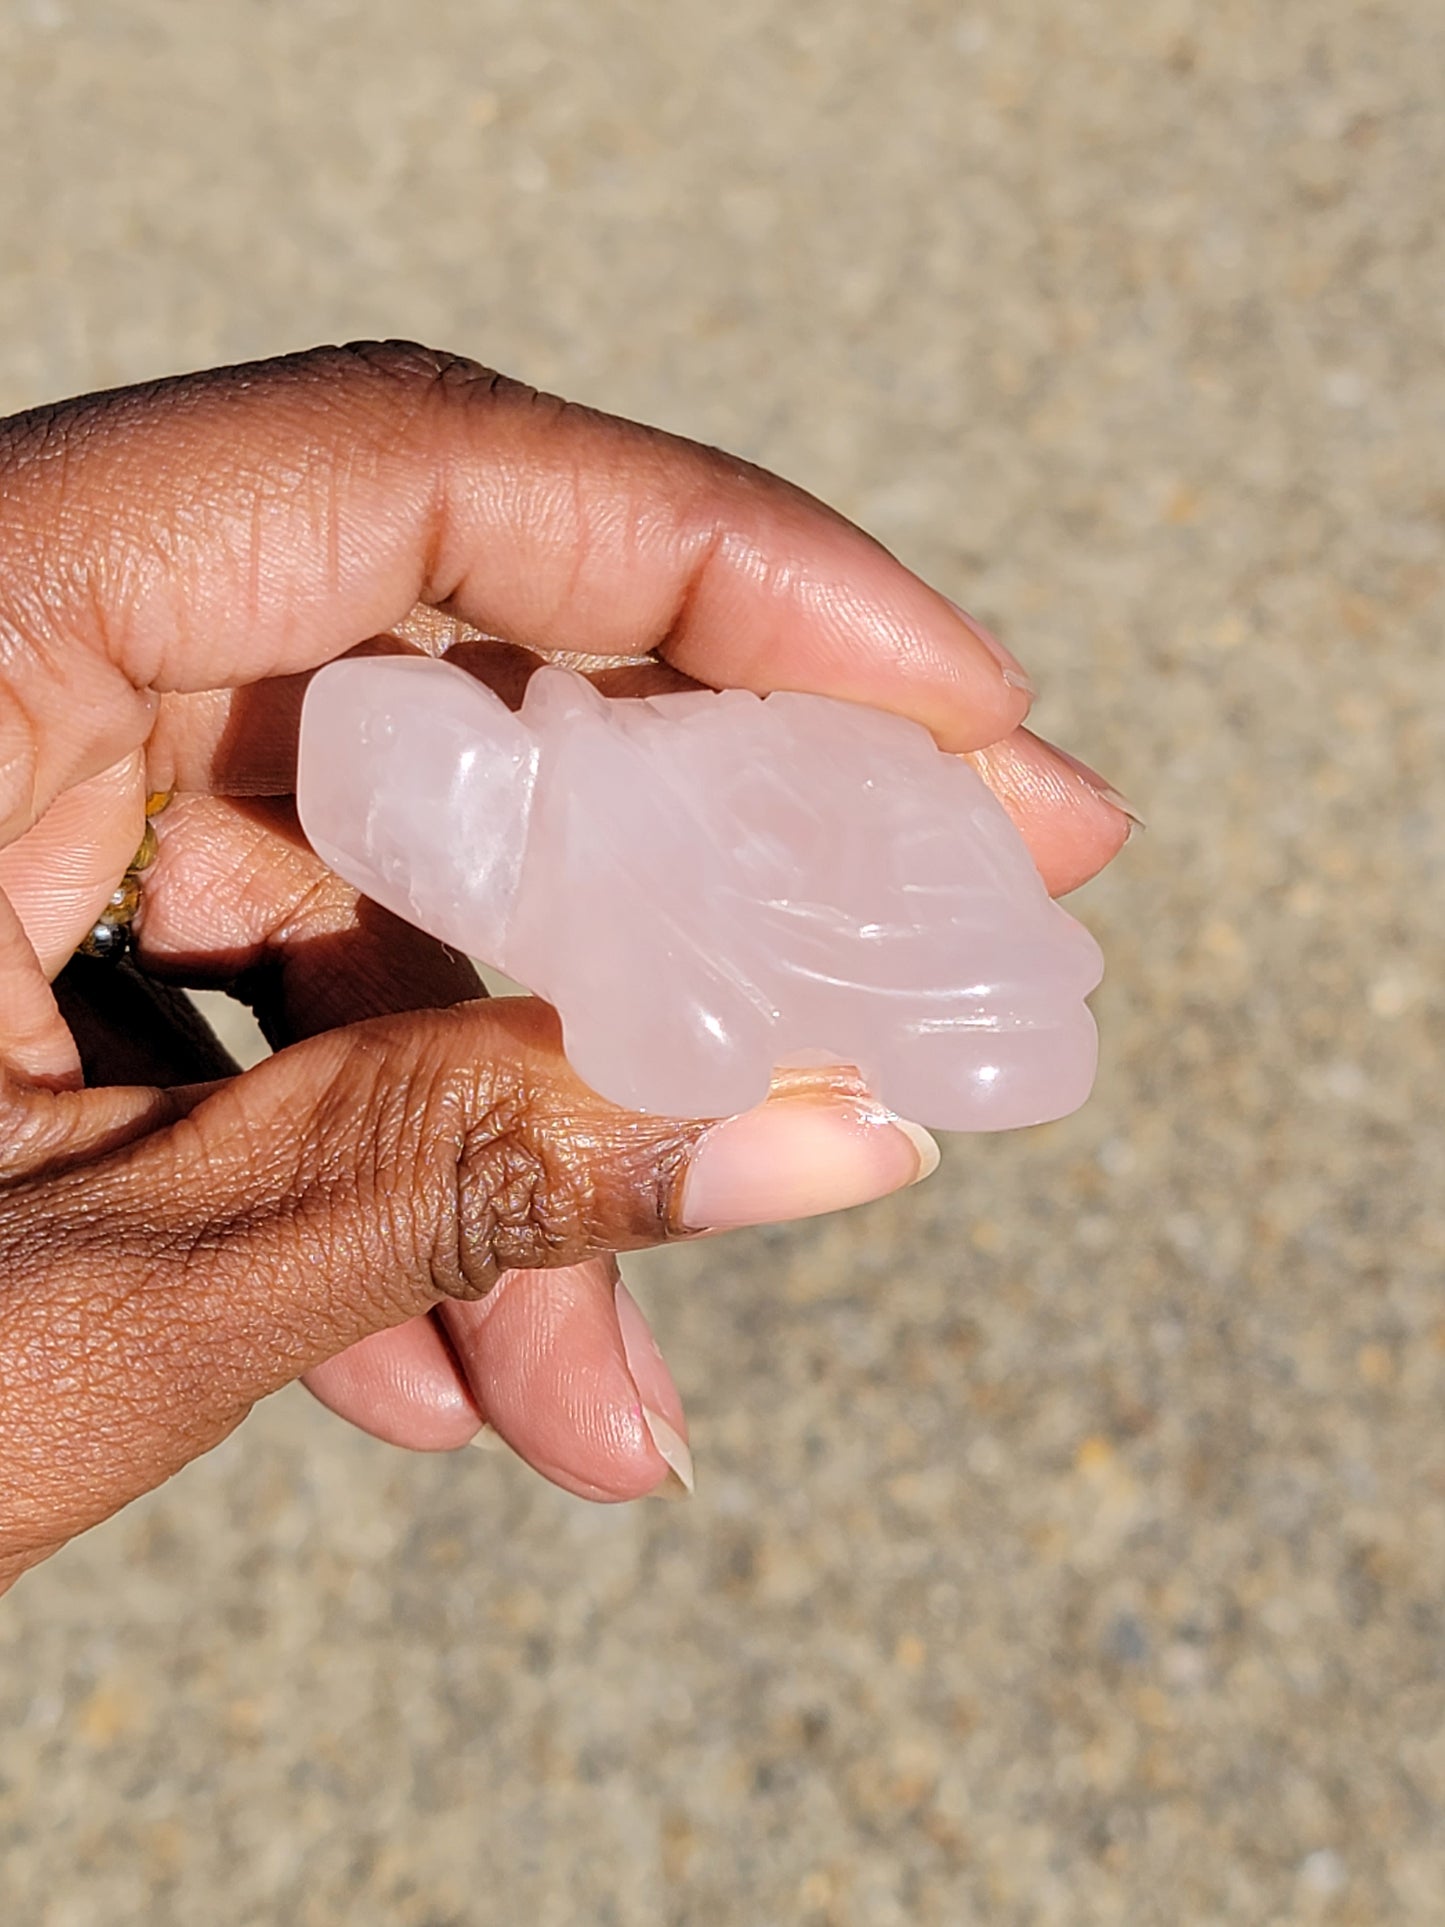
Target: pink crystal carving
{"x":708,"y":886}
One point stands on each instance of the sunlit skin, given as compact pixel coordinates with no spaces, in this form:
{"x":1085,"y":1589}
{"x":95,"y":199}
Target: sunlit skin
{"x":417,"y":1216}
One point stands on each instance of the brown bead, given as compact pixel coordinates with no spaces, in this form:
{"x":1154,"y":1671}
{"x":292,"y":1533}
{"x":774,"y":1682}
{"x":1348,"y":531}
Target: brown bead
{"x":124,"y":898}
{"x":145,"y":856}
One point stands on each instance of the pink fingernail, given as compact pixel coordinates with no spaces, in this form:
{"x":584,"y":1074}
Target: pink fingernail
{"x":658,"y":1394}
{"x":800,"y":1156}
{"x":1100,"y":785}
{"x":1014,"y":673}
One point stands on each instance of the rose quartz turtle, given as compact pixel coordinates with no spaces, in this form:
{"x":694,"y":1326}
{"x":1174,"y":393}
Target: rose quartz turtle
{"x":708,"y":886}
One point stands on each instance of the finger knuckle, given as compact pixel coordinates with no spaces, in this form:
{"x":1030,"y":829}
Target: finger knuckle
{"x":522,"y":1196}
{"x":430,"y":373}
{"x":460,"y":1148}
{"x":460,"y":1158}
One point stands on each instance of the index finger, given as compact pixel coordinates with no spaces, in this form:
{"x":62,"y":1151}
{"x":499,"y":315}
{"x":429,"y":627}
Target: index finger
{"x":220,"y":528}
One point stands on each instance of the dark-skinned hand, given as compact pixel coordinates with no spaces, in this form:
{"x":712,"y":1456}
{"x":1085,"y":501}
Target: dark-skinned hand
{"x":413,"y":1204}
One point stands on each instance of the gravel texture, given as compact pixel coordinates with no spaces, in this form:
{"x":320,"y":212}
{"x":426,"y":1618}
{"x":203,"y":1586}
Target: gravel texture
{"x":1069,"y":1544}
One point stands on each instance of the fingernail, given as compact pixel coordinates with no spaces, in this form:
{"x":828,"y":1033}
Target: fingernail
{"x":655,"y":1389}
{"x":674,"y":1448}
{"x":1014,"y":673}
{"x":797,"y":1157}
{"x":1100,"y":785}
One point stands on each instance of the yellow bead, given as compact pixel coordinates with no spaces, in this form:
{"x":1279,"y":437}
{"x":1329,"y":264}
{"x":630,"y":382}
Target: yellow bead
{"x":145,"y":856}
{"x":157,"y":801}
{"x":124,"y":898}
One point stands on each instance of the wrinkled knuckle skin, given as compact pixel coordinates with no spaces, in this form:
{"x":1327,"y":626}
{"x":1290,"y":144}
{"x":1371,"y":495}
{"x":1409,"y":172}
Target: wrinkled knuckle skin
{"x":544,"y":1173}
{"x":56,"y":432}
{"x":523,"y":1195}
{"x":432,"y":374}
{"x":453,"y":1162}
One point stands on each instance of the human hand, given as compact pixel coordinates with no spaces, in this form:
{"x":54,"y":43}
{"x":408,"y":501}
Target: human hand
{"x":414,"y":1202}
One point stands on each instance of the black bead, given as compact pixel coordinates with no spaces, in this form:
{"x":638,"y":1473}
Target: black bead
{"x":107,"y":941}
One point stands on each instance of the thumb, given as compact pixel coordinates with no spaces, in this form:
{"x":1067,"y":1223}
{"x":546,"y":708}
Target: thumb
{"x":153,"y":1295}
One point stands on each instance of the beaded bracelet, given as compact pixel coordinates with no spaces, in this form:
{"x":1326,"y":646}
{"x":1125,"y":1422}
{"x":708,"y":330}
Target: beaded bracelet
{"x":109,"y":938}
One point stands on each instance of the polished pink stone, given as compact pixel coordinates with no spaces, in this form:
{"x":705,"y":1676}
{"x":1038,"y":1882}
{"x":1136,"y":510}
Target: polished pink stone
{"x":708,"y":886}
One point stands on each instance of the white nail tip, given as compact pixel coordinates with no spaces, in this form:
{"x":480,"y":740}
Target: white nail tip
{"x":925,"y":1145}
{"x":674,"y":1448}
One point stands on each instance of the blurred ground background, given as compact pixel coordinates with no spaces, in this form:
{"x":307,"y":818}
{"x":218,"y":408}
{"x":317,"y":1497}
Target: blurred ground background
{"x":1069,"y":1544}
